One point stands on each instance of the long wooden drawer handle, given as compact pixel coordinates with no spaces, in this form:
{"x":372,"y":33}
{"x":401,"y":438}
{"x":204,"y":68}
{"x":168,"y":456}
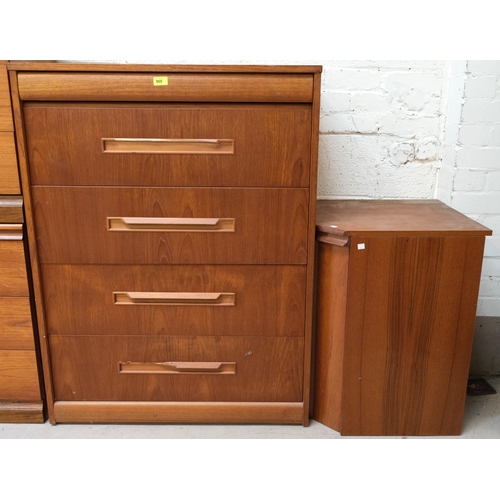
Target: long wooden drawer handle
{"x":174,"y":298}
{"x":178,"y":367}
{"x":12,"y":232}
{"x":168,"y":146}
{"x":183,"y":224}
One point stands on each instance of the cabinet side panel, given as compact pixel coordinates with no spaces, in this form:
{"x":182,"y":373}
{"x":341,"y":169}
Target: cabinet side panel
{"x":330,"y":328}
{"x":313,"y":173}
{"x":33,"y":253}
{"x":451,"y":422}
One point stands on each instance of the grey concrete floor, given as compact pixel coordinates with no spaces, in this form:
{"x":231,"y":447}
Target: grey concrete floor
{"x":481,"y":421}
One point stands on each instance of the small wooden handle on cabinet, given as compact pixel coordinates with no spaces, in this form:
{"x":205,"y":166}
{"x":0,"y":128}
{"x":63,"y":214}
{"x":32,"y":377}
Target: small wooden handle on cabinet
{"x":171,"y":224}
{"x":333,"y":239}
{"x":168,"y":146}
{"x":174,"y":298}
{"x":178,"y":367}
{"x":11,"y":232}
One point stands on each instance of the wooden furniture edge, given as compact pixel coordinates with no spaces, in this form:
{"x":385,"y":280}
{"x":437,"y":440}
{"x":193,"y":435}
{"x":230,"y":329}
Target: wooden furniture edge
{"x":177,"y":412}
{"x":172,"y":68}
{"x":29,"y":412}
{"x":330,"y":332}
{"x":311,"y":244}
{"x":323,"y":229}
{"x":33,"y":255}
{"x":338,"y":237}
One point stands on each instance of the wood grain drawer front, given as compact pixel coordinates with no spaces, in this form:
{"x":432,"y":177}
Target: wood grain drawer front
{"x":270,"y":225}
{"x":5,"y":108}
{"x":11,"y":250}
{"x":60,"y":86}
{"x":223,"y":145}
{"x":13,"y":279}
{"x":4,"y":87}
{"x":18,"y":376}
{"x":6,"y":124}
{"x":268,"y":300}
{"x":9,"y":177}
{"x":94,"y":368}
{"x":16,"y":329}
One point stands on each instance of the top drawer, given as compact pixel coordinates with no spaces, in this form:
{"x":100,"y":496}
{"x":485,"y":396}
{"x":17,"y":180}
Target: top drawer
{"x":165,"y":87}
{"x":202,"y":145}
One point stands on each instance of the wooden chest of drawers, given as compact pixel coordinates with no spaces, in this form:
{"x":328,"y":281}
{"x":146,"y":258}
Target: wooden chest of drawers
{"x":171,"y":213}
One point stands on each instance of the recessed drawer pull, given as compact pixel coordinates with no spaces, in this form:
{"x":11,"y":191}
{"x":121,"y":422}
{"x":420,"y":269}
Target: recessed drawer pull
{"x":184,"y":225}
{"x":179,"y":367}
{"x":174,"y":298}
{"x":168,"y":146}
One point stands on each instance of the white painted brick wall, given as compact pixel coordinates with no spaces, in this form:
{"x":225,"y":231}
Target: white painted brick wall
{"x":381,"y":128}
{"x":469,"y":178}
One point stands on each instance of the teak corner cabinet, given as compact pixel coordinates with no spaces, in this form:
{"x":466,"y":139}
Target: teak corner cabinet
{"x":171,"y":221}
{"x":397,"y":291}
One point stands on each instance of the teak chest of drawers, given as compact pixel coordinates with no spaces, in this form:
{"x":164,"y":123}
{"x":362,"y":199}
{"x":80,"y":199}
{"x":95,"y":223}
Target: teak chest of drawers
{"x":397,"y":292}
{"x":171,"y":215}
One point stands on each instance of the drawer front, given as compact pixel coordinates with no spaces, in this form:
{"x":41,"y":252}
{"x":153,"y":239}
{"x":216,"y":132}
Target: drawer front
{"x":175,"y":300}
{"x":171,"y":226}
{"x":227,"y":87}
{"x":5,"y":109}
{"x":11,"y":250}
{"x":4,"y":87}
{"x":19,"y":376}
{"x":9,"y":177}
{"x":177,"y":369}
{"x":6,"y":124}
{"x":223,"y":145}
{"x":13,"y":280}
{"x":16,"y":330}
